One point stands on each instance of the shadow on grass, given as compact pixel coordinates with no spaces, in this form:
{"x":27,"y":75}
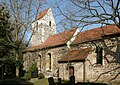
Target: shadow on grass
{"x":89,"y":83}
{"x":14,"y":82}
{"x":82,"y":83}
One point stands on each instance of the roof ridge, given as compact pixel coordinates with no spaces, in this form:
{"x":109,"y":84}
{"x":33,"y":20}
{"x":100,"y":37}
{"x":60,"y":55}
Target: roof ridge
{"x":96,"y":33}
{"x":99,"y":27}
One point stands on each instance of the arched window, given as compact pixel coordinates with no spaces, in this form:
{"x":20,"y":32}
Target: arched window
{"x":48,"y":62}
{"x":39,"y":62}
{"x":49,"y":55}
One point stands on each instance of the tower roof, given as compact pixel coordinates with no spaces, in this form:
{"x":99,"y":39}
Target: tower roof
{"x":42,"y":14}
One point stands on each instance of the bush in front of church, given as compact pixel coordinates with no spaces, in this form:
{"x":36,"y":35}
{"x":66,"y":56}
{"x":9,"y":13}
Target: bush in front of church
{"x":27,"y":76}
{"x":41,"y":76}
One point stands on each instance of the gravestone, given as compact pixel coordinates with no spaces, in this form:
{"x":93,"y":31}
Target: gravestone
{"x":51,"y":81}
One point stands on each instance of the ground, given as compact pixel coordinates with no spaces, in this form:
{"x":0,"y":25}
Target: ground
{"x":35,"y":81}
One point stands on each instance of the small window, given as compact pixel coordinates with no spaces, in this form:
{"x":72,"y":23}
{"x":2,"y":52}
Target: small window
{"x":99,"y":52}
{"x":49,"y":61}
{"x":50,"y":23}
{"x":36,"y":25}
{"x":40,"y":62}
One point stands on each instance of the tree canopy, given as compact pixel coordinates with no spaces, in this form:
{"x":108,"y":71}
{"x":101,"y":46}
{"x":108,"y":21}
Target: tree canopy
{"x":5,"y":36}
{"x":22,"y":13}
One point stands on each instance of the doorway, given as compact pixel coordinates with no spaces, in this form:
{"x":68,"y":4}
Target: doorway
{"x":71,"y":75}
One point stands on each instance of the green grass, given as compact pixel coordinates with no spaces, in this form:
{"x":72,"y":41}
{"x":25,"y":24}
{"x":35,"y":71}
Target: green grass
{"x":40,"y":81}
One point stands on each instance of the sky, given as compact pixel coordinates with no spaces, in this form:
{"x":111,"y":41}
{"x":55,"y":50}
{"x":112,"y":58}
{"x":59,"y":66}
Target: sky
{"x":67,"y":24}
{"x":64,"y":4}
{"x":55,"y":11}
{"x":58,"y":18}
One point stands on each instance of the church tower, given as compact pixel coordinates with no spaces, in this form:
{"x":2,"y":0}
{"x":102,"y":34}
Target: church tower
{"x":44,"y":26}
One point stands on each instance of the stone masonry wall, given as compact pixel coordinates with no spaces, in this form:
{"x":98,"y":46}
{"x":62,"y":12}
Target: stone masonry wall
{"x":109,"y":71}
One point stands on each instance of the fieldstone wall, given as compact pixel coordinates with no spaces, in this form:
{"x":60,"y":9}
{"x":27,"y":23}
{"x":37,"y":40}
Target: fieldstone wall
{"x":107,"y":72}
{"x":33,"y":57}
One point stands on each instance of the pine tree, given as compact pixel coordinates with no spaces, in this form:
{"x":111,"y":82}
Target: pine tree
{"x":5,"y":34}
{"x":6,"y":48}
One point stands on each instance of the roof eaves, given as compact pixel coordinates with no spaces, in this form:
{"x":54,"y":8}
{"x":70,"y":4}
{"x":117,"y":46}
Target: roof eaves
{"x":82,"y":60}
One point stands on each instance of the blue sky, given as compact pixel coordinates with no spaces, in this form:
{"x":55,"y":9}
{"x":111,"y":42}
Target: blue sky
{"x":63,"y":4}
{"x":58,"y":18}
{"x":52,"y":4}
{"x":66,"y":6}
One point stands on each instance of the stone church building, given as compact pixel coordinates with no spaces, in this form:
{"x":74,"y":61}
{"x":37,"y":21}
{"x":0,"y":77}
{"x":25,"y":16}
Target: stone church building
{"x":89,"y":56}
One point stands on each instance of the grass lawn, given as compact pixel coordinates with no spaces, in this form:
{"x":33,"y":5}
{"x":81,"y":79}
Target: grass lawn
{"x":40,"y":81}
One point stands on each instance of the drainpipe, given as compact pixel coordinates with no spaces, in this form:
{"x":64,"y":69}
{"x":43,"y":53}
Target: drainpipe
{"x":84,"y":71}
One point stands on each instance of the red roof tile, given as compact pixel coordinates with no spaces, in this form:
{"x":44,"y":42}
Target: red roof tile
{"x":96,"y":33}
{"x":75,"y":56}
{"x":55,"y":40}
{"x":89,"y":35}
{"x":42,"y":14}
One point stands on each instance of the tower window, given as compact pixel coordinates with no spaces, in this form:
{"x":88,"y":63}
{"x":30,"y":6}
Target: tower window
{"x":36,"y":25}
{"x":49,"y":23}
{"x":99,"y":58}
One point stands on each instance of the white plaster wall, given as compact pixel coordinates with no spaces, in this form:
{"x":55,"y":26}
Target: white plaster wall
{"x":44,"y":30}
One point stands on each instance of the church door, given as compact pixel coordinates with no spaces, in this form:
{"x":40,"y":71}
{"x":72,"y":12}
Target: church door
{"x":71,"y":74}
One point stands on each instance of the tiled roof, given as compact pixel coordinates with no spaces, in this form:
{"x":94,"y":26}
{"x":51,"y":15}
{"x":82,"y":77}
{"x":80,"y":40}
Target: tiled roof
{"x":55,"y":40}
{"x":42,"y":14}
{"x":85,"y":36}
{"x":96,"y":33}
{"x":75,"y":56}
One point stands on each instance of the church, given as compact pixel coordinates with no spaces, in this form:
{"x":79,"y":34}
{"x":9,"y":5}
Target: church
{"x":89,"y":56}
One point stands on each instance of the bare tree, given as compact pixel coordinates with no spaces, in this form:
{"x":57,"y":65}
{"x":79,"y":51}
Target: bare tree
{"x":22,"y":13}
{"x":91,"y":12}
